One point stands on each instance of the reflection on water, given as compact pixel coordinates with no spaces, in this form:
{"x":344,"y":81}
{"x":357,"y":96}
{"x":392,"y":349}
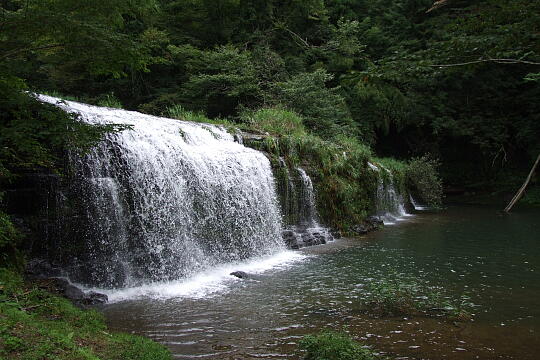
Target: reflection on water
{"x":494,"y":259}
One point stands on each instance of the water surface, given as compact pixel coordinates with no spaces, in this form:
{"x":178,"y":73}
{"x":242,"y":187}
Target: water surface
{"x":493,"y":258}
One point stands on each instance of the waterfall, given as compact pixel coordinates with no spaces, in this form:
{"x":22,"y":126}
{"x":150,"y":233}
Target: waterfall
{"x":307,"y":207}
{"x":304,"y":228}
{"x":164,"y":200}
{"x":390,"y":205}
{"x":416,"y":205}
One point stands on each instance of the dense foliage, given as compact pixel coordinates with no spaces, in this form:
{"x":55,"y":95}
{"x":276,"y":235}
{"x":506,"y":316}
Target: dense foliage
{"x":458,"y":81}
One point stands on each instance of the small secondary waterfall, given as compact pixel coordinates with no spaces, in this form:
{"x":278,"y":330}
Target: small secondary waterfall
{"x":416,"y":205}
{"x":163,"y":200}
{"x":308,"y":209}
{"x":390,"y":205}
{"x":302,"y":220}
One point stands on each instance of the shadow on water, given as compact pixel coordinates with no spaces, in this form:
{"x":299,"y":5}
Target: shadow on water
{"x":467,"y":250}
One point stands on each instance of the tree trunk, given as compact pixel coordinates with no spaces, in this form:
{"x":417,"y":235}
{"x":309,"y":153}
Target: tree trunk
{"x":521,"y":190}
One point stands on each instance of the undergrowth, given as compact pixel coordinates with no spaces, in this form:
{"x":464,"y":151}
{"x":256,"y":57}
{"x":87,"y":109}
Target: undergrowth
{"x":345,"y":188}
{"x":180,"y":113}
{"x":35,"y":324}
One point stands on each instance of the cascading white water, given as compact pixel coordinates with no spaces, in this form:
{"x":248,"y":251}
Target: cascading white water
{"x":390,"y":205}
{"x":306,"y":231}
{"x":416,"y":205}
{"x":168,"y":198}
{"x":308,"y":209}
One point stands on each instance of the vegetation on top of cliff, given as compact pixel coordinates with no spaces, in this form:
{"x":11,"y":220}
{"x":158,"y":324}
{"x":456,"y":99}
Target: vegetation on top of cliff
{"x":34,"y":324}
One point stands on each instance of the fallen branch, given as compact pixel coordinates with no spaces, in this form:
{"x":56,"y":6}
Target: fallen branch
{"x":521,"y":190}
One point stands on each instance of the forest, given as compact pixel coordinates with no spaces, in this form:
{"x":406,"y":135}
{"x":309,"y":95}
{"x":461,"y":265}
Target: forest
{"x":453,"y":85}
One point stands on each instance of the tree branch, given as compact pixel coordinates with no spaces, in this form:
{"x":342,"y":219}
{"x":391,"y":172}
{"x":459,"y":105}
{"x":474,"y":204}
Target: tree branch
{"x":14,"y":52}
{"x":499,"y":61}
{"x":436,"y":5}
{"x":294,"y":35}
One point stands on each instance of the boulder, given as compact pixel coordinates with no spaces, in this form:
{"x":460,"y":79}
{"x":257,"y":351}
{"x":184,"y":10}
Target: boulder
{"x":95,"y":298}
{"x":74,"y":293}
{"x":244,"y":275}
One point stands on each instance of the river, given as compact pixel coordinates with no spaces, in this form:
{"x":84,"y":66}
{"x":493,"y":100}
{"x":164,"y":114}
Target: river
{"x":471,"y":250}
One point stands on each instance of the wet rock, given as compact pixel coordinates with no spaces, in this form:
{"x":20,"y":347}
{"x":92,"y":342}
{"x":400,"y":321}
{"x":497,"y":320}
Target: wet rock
{"x":95,"y":298}
{"x":244,"y":275}
{"x":73,"y":293}
{"x":41,"y":269}
{"x":240,"y":274}
{"x":360,"y":229}
{"x":374,"y":220}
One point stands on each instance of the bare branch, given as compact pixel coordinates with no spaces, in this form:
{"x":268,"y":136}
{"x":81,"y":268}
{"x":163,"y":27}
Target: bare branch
{"x":499,"y":61}
{"x":437,"y":4}
{"x":295,"y":36}
{"x":18,"y":51}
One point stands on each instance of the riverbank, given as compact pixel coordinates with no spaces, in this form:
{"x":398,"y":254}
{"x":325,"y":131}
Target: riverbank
{"x":37,"y":324}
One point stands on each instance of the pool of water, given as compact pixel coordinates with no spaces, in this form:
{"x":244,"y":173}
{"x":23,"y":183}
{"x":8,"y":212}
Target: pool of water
{"x":493,"y":258}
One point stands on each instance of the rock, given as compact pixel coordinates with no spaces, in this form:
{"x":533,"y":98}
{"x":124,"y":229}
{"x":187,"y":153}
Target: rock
{"x":95,"y":298}
{"x":374,"y":220}
{"x":73,"y":293}
{"x":360,"y":229}
{"x":41,"y":269}
{"x":244,"y":275}
{"x":240,"y":274}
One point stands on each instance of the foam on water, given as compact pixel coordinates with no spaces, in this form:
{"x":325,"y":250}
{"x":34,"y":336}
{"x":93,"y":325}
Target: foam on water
{"x":212,"y":281}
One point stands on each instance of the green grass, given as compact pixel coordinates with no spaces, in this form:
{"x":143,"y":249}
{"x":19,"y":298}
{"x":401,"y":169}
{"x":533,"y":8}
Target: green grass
{"x":275,"y":120}
{"x":409,"y":297}
{"x":338,"y":167}
{"x":109,"y":100}
{"x":178,"y":112}
{"x":35,"y":324}
{"x":329,"y":345}
{"x":61,"y":96}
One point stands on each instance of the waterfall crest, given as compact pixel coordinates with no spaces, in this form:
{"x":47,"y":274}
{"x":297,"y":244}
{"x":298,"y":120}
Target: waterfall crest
{"x":164,"y":200}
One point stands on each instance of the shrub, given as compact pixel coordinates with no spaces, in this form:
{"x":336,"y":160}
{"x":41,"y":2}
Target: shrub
{"x":276,"y":120}
{"x":8,"y":234}
{"x":423,"y":179}
{"x":329,"y":345}
{"x":180,"y":113}
{"x":109,"y":100}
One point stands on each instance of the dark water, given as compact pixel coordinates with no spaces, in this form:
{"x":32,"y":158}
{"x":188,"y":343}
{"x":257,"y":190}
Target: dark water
{"x":494,"y":259}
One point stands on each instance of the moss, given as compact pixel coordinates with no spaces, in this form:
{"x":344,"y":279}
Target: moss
{"x":35,"y":324}
{"x":345,"y":188}
{"x":330,"y":345}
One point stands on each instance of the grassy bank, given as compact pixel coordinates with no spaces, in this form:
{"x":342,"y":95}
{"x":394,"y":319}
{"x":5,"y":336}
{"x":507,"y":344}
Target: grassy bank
{"x":35,"y":324}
